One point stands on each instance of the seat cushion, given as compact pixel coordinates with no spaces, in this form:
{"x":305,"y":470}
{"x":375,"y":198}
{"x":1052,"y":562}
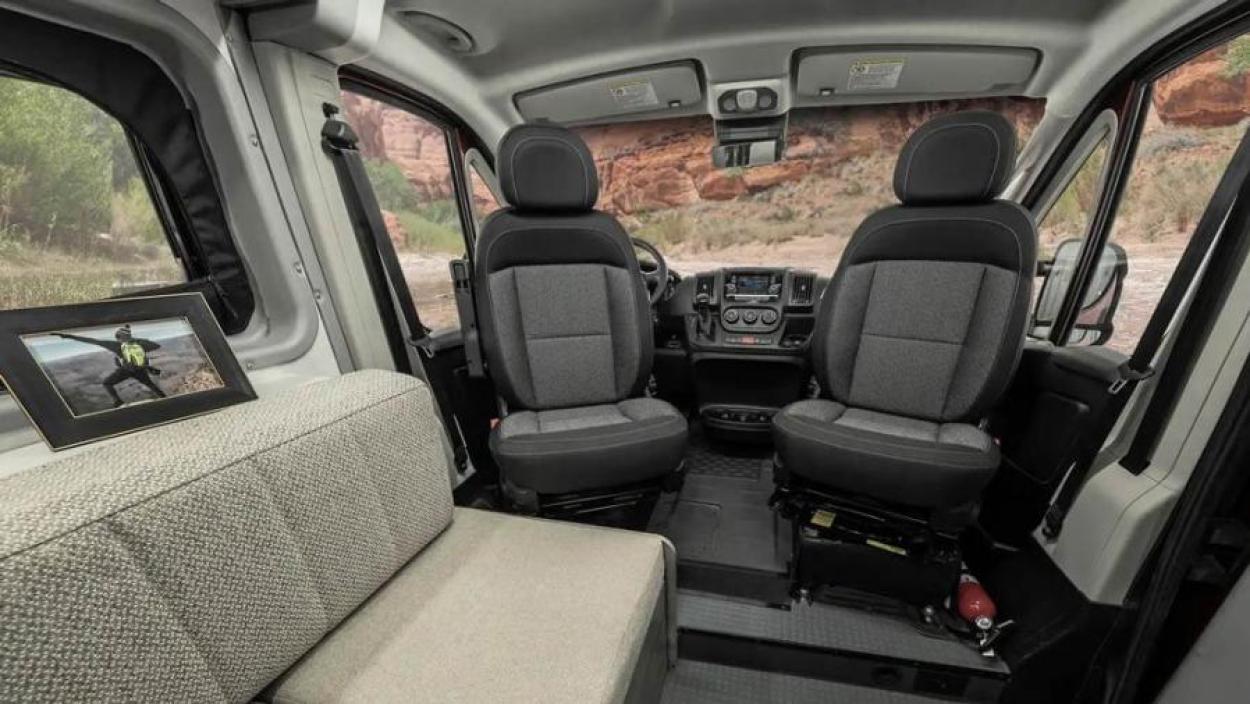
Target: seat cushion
{"x":498,"y":609}
{"x":893,"y":458}
{"x":590,"y":447}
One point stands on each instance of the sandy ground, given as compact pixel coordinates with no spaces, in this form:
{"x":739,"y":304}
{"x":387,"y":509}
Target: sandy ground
{"x":78,"y":378}
{"x":1150,"y":266}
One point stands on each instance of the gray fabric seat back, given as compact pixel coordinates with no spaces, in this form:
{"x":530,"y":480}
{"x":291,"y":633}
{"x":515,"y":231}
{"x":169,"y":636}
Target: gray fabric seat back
{"x":198,"y":561}
{"x":563,"y":314}
{"x":926,"y":314}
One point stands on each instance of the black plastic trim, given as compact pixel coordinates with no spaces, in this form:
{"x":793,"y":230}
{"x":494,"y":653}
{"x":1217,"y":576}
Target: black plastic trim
{"x":864,"y":669}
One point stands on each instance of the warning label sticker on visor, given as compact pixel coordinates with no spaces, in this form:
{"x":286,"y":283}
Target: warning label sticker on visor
{"x":875,"y":74}
{"x":635,"y":94}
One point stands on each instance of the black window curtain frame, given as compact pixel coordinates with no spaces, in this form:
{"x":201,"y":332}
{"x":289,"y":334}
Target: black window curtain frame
{"x":132,"y":88}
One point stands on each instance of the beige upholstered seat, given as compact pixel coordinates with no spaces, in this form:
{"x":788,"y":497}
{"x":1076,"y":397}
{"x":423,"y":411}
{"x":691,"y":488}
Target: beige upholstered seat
{"x":201,"y":561}
{"x":498,"y":609}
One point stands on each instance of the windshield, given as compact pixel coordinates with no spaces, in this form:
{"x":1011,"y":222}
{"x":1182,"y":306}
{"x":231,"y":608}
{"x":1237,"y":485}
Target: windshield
{"x":657,"y":178}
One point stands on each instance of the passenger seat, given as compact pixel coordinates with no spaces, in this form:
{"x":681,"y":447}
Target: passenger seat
{"x":313,"y":556}
{"x":920,"y":330}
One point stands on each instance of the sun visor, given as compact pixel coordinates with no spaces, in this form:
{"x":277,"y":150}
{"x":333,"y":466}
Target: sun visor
{"x":877,"y":74}
{"x":669,"y":89}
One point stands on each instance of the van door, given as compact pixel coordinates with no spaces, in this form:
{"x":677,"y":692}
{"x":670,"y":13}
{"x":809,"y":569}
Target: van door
{"x":1120,"y":221}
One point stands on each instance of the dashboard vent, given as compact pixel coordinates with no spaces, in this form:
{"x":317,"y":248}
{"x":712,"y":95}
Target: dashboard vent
{"x":801,"y":293}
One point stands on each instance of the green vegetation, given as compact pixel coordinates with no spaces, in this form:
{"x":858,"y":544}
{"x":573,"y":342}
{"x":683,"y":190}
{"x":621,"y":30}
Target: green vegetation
{"x":667,"y":229}
{"x":428,"y":236}
{"x":428,"y":226}
{"x":76,"y":220}
{"x":1070,"y":214}
{"x":53,"y":280}
{"x":55,"y":165}
{"x":1173,"y":198}
{"x":1238,"y":56}
{"x":391,"y":187}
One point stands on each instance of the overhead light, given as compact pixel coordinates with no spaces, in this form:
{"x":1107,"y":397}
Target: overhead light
{"x":447,"y":34}
{"x":747,"y":100}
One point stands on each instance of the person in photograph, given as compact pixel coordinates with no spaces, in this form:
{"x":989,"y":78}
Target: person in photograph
{"x":130,"y":356}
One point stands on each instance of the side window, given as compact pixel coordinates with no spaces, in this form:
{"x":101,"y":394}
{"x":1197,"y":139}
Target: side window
{"x":1196,"y":118}
{"x":77,"y":221}
{"x":409,"y":165}
{"x":1061,"y":233}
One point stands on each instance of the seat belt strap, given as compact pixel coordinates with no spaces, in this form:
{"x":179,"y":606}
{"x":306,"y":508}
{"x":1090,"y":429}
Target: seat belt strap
{"x":340,"y":141}
{"x":1118,"y":393}
{"x":462,"y":283}
{"x":1138,"y":367}
{"x":386,"y":275}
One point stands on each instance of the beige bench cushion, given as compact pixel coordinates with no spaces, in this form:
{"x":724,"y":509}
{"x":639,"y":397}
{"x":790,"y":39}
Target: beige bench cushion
{"x":498,"y":609}
{"x":198,"y":561}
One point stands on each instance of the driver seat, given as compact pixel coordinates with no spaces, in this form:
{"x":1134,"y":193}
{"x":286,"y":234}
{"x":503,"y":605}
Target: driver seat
{"x":565,"y":324}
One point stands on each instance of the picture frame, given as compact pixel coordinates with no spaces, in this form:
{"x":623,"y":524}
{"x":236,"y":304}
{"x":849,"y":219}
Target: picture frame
{"x":90,"y":371}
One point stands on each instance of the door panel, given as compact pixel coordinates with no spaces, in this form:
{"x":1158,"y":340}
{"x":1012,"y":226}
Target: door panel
{"x":1057,"y":393}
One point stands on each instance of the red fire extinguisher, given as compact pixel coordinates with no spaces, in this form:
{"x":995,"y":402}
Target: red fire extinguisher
{"x":974,"y":604}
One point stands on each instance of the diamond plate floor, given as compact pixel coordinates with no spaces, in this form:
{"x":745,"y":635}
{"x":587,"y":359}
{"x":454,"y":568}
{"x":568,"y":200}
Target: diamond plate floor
{"x":704,"y":683}
{"x":829,"y":627}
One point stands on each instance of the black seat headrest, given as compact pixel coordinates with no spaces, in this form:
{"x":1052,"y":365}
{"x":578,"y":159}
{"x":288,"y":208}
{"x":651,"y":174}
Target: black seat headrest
{"x":963,"y":157}
{"x":547,"y":168}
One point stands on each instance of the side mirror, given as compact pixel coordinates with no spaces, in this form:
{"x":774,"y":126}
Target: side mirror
{"x":1093,"y":322}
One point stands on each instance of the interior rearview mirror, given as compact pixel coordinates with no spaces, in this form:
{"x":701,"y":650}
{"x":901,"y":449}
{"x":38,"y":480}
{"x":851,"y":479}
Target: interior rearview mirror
{"x":749,"y":142}
{"x":746,"y":153}
{"x":1094,"y":321}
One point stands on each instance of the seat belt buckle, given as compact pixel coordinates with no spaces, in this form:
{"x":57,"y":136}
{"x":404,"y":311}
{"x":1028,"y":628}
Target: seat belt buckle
{"x":1128,"y":374}
{"x":1052,"y":524}
{"x":425,"y":343}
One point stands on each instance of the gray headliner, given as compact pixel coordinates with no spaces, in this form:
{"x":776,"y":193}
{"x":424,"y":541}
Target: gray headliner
{"x":517,"y":38}
{"x":526,"y":45}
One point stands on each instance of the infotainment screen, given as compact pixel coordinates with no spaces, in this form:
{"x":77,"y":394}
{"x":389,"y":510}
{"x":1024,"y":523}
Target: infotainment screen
{"x":748,"y":284}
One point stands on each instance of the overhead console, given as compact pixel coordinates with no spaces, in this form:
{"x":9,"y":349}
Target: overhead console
{"x":874,"y":74}
{"x":667,"y":90}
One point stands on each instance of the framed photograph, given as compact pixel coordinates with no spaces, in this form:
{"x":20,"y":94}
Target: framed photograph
{"x":95,"y":370}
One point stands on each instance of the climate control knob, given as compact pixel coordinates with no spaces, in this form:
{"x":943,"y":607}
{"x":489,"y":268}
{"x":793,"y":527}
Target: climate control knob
{"x":731,"y":316}
{"x":769,"y":317}
{"x":750,"y":317}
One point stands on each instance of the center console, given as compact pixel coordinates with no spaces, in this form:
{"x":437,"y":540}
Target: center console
{"x":768,"y":311}
{"x":748,"y":340}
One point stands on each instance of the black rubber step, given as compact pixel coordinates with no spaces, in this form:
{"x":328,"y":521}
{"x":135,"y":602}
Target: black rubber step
{"x":835,"y":643}
{"x":706,"y":683}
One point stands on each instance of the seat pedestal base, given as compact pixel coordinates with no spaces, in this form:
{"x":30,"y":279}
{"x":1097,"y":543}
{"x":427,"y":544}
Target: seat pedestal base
{"x":840,"y":546}
{"x":585,"y":503}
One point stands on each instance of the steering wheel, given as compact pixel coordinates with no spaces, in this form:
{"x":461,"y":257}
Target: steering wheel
{"x":655,"y":278}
